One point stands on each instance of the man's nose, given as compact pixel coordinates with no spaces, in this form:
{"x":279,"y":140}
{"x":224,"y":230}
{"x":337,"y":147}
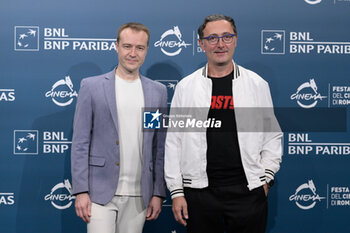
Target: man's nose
{"x":133,"y":52}
{"x":221,"y":42}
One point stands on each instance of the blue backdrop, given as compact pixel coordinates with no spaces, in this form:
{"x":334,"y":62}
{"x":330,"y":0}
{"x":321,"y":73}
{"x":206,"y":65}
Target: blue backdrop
{"x":300,"y":47}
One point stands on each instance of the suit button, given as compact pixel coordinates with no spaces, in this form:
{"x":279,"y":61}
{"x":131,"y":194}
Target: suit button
{"x":117,"y":142}
{"x":117,"y":163}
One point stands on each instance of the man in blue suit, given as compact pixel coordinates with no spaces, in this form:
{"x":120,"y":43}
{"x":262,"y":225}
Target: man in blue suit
{"x":117,"y":169}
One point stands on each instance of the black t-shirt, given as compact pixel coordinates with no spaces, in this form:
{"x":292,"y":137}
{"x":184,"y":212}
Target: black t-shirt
{"x":224,"y":164}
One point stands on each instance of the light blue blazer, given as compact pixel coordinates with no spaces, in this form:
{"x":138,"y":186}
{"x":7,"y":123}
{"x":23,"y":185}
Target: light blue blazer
{"x":95,"y":154}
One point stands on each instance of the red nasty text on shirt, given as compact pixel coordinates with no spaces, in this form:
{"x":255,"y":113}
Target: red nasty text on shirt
{"x":222,"y":102}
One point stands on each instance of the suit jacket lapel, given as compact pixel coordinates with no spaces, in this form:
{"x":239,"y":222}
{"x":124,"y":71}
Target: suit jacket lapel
{"x":109,"y":86}
{"x":147,"y":95}
{"x":147,"y":92}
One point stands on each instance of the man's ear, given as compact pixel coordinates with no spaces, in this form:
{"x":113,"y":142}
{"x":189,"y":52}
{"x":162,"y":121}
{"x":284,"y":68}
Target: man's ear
{"x":201,"y":44}
{"x":116,"y":46}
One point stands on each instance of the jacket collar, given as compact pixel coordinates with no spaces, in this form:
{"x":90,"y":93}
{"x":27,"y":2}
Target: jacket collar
{"x":236,"y":72}
{"x":111,"y":96}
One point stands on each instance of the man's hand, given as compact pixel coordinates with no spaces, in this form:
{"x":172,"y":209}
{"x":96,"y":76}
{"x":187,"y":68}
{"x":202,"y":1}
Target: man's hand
{"x":266,"y":189}
{"x":180,"y":210}
{"x":154,"y":208}
{"x":83,"y":206}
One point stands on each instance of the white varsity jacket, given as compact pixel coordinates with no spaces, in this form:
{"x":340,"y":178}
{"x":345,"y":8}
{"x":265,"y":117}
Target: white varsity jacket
{"x":259,"y":135}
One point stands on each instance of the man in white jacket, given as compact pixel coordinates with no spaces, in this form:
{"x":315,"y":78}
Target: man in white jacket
{"x":219,"y":179}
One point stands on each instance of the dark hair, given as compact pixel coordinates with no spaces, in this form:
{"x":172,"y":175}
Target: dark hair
{"x":212,"y":18}
{"x":134,"y":26}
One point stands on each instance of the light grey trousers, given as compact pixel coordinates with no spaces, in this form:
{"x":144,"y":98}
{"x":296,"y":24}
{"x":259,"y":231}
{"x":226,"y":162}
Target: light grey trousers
{"x":124,"y":214}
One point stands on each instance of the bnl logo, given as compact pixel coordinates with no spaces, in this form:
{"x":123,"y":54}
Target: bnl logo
{"x":272,"y":42}
{"x":25,"y":142}
{"x":151,"y":120}
{"x":26,"y":38}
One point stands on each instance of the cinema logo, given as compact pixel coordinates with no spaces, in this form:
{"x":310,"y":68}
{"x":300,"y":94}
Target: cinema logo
{"x":27,"y":39}
{"x":61,"y":196}
{"x":62,"y":93}
{"x":307,"y":95}
{"x":273,"y":42}
{"x":305,"y":196}
{"x":171,"y":42}
{"x":313,"y":2}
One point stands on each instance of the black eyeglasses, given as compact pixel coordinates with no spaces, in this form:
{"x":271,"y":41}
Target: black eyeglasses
{"x":213,"y":39}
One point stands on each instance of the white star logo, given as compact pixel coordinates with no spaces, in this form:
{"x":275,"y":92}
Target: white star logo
{"x":156,"y":115}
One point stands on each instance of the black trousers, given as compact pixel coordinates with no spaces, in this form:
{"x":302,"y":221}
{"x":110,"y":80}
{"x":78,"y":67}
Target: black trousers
{"x":229,"y":209}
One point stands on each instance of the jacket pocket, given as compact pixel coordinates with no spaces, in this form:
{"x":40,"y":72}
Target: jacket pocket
{"x":97,"y":161}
